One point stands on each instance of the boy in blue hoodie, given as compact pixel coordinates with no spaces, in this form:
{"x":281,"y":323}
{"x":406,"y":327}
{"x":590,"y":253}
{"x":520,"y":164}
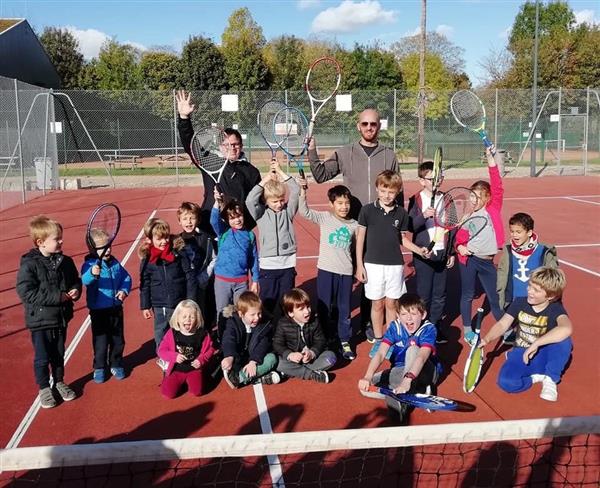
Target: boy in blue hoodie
{"x":107,"y":286}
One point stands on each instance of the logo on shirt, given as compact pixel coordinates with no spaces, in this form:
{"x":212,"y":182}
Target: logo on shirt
{"x":521,"y":274}
{"x":340,"y":238}
{"x":396,"y":223}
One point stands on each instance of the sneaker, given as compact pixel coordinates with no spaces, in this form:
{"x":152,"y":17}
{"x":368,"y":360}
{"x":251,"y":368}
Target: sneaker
{"x":441,"y":338}
{"x":99,"y":375}
{"x":47,"y":399}
{"x":320,"y":376}
{"x":470,"y":337}
{"x":118,"y":373}
{"x":231,"y":378}
{"x":549,"y":391}
{"x":370,"y":334}
{"x":162,"y":364}
{"x":271,"y":378}
{"x":347,"y":352}
{"x":375,"y":348}
{"x":537,"y":378}
{"x":65,"y":391}
{"x":510,"y":338}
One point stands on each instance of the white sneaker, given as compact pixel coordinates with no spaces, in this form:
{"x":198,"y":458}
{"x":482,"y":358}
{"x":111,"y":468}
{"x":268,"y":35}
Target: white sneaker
{"x":549,"y":391}
{"x":538,"y":378}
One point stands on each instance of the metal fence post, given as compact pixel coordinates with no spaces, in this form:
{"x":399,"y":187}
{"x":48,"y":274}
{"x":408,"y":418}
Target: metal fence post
{"x":19,"y":142}
{"x":559,"y":133}
{"x":585,"y":130}
{"x":496,"y":119}
{"x":176,"y":144}
{"x":44,"y":175}
{"x":395,"y":129}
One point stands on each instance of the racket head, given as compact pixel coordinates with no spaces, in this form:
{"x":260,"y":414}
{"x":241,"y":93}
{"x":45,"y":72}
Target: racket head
{"x":455,"y":206}
{"x":419,"y":400}
{"x":474,"y":362}
{"x":264,"y":121}
{"x":210,"y":150}
{"x":468,"y":110}
{"x":290,"y":131}
{"x":323,"y":79}
{"x":102,"y":227}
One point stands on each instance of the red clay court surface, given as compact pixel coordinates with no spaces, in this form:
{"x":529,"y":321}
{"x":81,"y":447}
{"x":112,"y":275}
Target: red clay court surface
{"x":566,"y":214}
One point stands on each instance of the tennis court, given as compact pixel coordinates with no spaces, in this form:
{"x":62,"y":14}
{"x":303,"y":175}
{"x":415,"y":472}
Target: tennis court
{"x":133,"y":410}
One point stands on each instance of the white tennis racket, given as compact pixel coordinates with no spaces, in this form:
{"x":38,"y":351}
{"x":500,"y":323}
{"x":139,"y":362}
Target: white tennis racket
{"x":322,"y":82}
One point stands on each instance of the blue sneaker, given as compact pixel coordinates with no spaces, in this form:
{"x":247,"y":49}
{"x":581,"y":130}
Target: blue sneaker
{"x":99,"y":375}
{"x":118,"y":373}
{"x":375,"y":348}
{"x":470,"y":337}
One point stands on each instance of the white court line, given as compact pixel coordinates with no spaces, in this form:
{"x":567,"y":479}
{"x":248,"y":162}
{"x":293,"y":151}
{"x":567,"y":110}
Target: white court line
{"x":581,"y":200}
{"x":265,"y":424}
{"x":576,"y":245}
{"x":580,"y":268}
{"x":29,"y":417}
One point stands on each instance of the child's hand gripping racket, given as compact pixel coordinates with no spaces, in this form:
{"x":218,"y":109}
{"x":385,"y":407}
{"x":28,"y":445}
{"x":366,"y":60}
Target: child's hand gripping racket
{"x":322,"y":82}
{"x":102,"y":228}
{"x":469,"y":111}
{"x":290,"y":132}
{"x":211,"y":151}
{"x":454,"y":211}
{"x":475,"y":360}
{"x":418,"y":400}
{"x":437,"y":175}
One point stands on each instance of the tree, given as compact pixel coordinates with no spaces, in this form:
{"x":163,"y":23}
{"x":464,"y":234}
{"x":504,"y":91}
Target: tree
{"x":370,"y":68}
{"x":160,"y":70}
{"x":88,"y":78}
{"x":117,"y":67}
{"x":283,"y":56}
{"x":452,"y":56}
{"x":554,"y":16}
{"x":202,"y":65}
{"x":63,"y":50}
{"x":242,"y":43}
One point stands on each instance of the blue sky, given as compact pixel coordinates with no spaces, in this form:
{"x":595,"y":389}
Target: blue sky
{"x":476,"y":26}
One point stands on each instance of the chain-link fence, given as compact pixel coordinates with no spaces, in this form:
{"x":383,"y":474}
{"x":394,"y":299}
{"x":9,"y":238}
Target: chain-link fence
{"x":129,"y":138}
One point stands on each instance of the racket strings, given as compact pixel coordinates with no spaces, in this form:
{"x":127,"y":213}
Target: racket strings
{"x":210,"y":149}
{"x":323,"y":79}
{"x":467,"y":109}
{"x":266,"y":115}
{"x":290,"y":130}
{"x":103,"y":226}
{"x":456,"y":207}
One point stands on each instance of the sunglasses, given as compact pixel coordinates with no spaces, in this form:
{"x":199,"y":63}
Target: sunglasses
{"x":367,"y":124}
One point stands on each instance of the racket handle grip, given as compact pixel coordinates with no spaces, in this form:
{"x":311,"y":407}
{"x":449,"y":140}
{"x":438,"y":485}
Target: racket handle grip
{"x":301,"y":173}
{"x":98,"y":263}
{"x":478,"y":319}
{"x":219,"y":187}
{"x":430,"y":246}
{"x":311,"y":126}
{"x":488,"y":144}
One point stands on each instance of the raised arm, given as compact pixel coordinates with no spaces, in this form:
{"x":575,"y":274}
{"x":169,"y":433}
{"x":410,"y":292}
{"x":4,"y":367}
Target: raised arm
{"x":322,"y":170}
{"x":185,"y":107}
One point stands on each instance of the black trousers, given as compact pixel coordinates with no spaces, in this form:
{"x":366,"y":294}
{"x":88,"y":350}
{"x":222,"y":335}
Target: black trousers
{"x":48,"y":350}
{"x":108,"y":337}
{"x":431,"y":286}
{"x":273,"y":284}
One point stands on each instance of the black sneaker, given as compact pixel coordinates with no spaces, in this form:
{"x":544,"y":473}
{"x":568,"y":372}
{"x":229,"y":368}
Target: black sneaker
{"x":370,"y":334}
{"x":320,"y":376}
{"x":347,"y":352}
{"x":510,"y":338}
{"x":231,"y":378}
{"x":271,"y":378}
{"x":441,"y":338}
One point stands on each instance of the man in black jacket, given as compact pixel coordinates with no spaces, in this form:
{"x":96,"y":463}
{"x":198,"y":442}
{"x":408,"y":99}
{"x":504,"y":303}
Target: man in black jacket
{"x":239,"y":176}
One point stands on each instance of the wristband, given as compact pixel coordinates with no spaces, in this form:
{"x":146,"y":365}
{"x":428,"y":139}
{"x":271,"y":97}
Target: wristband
{"x":410,"y":375}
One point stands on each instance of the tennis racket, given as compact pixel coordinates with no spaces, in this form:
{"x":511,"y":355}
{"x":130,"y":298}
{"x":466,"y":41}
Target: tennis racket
{"x":290,"y":132}
{"x":102,"y":228}
{"x":436,"y":175}
{"x":418,"y":400}
{"x":322,"y":82}
{"x":475,"y":360}
{"x":454,"y":211}
{"x":264,"y":122}
{"x":210,"y":150}
{"x":469,"y":111}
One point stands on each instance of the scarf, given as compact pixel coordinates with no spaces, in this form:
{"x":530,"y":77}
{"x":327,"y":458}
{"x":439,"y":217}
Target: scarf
{"x":165,"y":254}
{"x":526,"y":249}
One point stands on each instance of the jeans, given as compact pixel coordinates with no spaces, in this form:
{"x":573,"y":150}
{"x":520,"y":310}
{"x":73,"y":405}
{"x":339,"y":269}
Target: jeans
{"x":300,"y":370}
{"x":49,"y":350}
{"x":334,"y":290}
{"x":431,"y":286}
{"x":108,"y":337}
{"x":162,"y":315}
{"x":486,"y":271}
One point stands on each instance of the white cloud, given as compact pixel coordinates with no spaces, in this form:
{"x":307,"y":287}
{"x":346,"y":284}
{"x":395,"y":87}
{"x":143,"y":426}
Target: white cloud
{"x":136,"y":45}
{"x":350,"y":16}
{"x":90,"y":40}
{"x":306,"y":4}
{"x":445,"y":30}
{"x":414,"y":32}
{"x":505,"y":33}
{"x":587,"y":16}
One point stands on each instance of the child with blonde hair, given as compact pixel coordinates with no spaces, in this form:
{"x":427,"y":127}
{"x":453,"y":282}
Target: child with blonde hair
{"x":543,"y":336}
{"x":186,"y":349}
{"x":166,"y":276}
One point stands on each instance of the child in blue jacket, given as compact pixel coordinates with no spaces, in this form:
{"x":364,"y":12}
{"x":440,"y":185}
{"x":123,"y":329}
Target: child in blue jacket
{"x":107,"y":286}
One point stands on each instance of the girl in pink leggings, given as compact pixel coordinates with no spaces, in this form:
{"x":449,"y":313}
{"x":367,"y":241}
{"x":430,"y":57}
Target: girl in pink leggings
{"x":186,"y":348}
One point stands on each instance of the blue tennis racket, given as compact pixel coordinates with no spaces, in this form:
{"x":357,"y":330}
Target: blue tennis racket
{"x":418,"y":400}
{"x":290,"y":131}
{"x":468,"y":110}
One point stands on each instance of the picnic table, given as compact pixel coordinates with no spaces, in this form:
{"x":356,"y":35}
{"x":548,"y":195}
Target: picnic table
{"x":171,"y":158}
{"x":121,"y":159}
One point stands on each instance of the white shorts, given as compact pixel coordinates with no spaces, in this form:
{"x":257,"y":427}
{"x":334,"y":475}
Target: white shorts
{"x":384,"y":281}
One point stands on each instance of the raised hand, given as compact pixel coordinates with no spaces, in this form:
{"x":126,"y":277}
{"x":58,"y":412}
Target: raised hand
{"x":184,"y":103}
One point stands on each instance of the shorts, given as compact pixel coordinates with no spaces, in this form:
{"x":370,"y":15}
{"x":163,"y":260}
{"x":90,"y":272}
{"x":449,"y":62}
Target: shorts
{"x":384,"y":281}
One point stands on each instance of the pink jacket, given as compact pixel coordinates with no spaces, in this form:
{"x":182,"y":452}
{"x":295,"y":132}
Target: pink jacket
{"x":168,"y":352}
{"x":494,"y":209}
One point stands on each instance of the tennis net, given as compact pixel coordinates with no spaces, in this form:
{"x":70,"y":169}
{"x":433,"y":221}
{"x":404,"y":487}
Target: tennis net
{"x":540,"y":452}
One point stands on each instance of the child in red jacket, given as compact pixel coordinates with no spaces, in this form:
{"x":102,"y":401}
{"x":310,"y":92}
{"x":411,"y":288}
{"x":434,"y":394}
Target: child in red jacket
{"x":187,"y":349}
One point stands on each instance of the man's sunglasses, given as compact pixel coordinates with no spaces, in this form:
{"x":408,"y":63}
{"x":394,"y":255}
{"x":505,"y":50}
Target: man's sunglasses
{"x":367,"y":124}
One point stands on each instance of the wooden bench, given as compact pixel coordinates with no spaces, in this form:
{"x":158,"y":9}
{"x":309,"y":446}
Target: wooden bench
{"x":171,"y":158}
{"x":130,"y":160}
{"x":7,"y":162}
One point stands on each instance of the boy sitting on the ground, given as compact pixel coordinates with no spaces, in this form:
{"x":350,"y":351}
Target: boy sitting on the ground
{"x":543,"y":342}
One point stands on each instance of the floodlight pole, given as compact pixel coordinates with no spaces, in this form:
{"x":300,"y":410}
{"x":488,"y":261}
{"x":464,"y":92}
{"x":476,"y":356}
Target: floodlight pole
{"x":421,"y":122}
{"x":532,"y":158}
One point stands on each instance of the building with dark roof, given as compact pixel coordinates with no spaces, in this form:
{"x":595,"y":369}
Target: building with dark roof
{"x":23,"y":57}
